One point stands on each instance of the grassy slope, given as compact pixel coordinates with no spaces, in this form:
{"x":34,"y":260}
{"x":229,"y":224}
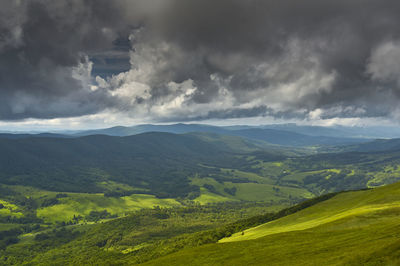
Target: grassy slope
{"x":346,"y":205}
{"x":83,"y":204}
{"x":351,"y":228}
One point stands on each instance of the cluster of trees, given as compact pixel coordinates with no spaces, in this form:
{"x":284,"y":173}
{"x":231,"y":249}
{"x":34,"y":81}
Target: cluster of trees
{"x":122,"y":193}
{"x":28,"y":218}
{"x":231,"y":191}
{"x":95,"y":216}
{"x":49,"y":202}
{"x":62,"y":234}
{"x":332,"y":181}
{"x":8,"y":237}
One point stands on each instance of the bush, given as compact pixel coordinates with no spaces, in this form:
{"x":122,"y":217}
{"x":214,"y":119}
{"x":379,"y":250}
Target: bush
{"x":230,"y":191}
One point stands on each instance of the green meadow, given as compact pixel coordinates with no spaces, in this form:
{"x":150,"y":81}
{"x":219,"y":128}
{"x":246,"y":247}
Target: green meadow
{"x":352,"y":228}
{"x":346,"y":205}
{"x":82,"y":204}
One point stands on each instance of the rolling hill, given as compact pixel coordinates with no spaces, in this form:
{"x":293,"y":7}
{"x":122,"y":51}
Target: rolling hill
{"x":175,"y":165}
{"x":123,"y":200}
{"x":345,"y":228}
{"x":352,"y":228}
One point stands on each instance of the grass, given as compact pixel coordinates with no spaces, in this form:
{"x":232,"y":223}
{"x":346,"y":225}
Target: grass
{"x":299,"y":176}
{"x":344,"y":205}
{"x":259,"y":192}
{"x":366,"y":246}
{"x":10,"y":209}
{"x":266,"y":192}
{"x":207,"y":197}
{"x":83,"y":203}
{"x":352,"y":228}
{"x":282,"y":225}
{"x":8,"y":226}
{"x":271,"y":168}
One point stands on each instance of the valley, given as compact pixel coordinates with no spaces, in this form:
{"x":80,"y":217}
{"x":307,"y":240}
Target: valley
{"x":157,"y":193}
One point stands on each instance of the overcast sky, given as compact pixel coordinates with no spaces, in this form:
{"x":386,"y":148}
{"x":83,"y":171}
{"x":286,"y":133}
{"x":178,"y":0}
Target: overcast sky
{"x":97,"y":63}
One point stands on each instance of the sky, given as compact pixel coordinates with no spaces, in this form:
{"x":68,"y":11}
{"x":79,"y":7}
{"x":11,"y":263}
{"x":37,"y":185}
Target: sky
{"x":72,"y":64}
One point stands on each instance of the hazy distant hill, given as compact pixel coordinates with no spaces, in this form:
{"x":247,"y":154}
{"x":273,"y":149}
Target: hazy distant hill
{"x":280,"y":134}
{"x":272,"y":136}
{"x":314,"y":130}
{"x":288,"y":138}
{"x":38,"y":135}
{"x":340,"y":131}
{"x":375,"y":146}
{"x":175,"y":128}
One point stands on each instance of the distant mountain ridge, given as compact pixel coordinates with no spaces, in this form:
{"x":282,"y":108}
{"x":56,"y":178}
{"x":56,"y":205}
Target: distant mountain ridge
{"x":375,"y":146}
{"x":371,"y":132}
{"x":27,"y":135}
{"x":262,"y":133}
{"x":122,"y":131}
{"x":290,"y":135}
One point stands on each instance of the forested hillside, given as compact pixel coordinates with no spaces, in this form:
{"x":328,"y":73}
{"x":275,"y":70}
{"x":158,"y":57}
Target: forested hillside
{"x":159,"y":162}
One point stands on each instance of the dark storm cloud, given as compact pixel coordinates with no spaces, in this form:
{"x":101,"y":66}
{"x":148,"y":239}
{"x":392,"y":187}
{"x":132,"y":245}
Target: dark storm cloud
{"x":233,"y":113}
{"x":200,"y":59}
{"x":42,"y":55}
{"x":340,"y":34}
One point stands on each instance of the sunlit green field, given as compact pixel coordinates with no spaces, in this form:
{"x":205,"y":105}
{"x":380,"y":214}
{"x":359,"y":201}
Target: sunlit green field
{"x":260,"y":192}
{"x":352,"y":228}
{"x":9,"y":209}
{"x":207,"y":197}
{"x":83,"y":203}
{"x":344,"y":206}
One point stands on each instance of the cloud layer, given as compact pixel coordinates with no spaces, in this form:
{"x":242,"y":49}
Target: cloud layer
{"x":170,"y":60}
